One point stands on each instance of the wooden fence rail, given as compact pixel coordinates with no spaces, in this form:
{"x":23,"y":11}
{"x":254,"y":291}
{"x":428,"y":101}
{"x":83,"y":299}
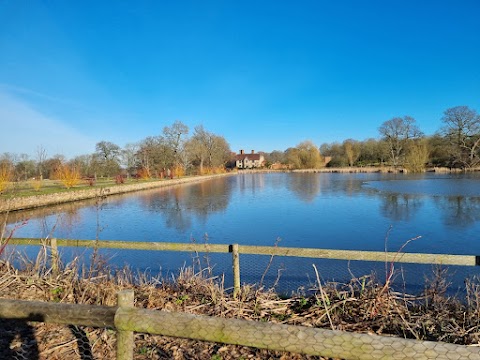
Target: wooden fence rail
{"x":68,"y":314}
{"x":236,"y":250}
{"x":298,"y":339}
{"x":417,"y":258}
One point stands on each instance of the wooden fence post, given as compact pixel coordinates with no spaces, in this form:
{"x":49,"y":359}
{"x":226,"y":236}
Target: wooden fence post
{"x":236,"y":270}
{"x":125,"y":341}
{"x":54,"y":256}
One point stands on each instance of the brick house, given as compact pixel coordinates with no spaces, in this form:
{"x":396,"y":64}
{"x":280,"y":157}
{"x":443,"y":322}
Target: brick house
{"x":249,"y":161}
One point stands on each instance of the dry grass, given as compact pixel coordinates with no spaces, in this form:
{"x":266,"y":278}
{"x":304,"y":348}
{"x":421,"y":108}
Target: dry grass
{"x":6,"y":175}
{"x":362,"y":305}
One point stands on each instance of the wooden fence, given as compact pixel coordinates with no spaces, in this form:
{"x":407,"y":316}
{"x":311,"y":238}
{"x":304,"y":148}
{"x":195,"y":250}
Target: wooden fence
{"x":126,"y":320}
{"x":236,"y":250}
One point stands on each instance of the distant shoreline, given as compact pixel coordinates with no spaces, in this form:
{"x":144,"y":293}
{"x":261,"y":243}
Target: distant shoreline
{"x":361,"y":169}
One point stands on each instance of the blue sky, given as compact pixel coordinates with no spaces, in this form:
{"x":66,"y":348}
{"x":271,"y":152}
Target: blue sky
{"x":264,"y":74}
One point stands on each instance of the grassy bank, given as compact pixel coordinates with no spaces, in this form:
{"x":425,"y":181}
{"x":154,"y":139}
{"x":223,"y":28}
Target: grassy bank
{"x":361,"y":305}
{"x":53,"y":196}
{"x":46,"y":187}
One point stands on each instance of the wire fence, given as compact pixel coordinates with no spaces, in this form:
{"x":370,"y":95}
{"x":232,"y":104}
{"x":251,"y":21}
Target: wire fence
{"x":123,"y":326}
{"x":33,"y":330}
{"x":284,"y":270}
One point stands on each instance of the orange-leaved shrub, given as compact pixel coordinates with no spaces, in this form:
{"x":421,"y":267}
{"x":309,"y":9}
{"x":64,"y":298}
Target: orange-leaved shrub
{"x":144,"y":173}
{"x":213,"y":170}
{"x":6,"y":175}
{"x":69,"y":176}
{"x":178,"y":171}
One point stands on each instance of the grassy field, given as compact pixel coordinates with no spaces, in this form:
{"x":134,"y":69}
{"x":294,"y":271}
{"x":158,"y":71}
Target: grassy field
{"x":36,"y":187}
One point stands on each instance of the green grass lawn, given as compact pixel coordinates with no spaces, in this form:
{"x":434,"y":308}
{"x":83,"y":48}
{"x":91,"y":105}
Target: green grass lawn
{"x":26,"y":188}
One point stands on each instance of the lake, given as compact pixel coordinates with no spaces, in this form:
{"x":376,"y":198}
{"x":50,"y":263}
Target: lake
{"x":441,"y":212}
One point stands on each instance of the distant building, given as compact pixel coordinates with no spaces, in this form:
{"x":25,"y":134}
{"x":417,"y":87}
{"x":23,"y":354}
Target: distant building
{"x":249,"y":161}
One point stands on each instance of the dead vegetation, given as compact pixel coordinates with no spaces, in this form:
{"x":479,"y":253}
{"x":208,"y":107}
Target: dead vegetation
{"x":362,"y":305}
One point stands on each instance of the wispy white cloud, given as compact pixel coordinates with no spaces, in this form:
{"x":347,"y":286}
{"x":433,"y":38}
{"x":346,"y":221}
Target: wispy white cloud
{"x":23,"y":128}
{"x":21,"y":91}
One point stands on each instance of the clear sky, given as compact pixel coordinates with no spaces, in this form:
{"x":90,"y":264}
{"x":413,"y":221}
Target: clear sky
{"x":264,"y":74}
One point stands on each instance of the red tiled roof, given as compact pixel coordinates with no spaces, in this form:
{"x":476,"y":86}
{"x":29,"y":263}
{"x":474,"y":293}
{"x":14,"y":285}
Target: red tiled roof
{"x":248,"y":156}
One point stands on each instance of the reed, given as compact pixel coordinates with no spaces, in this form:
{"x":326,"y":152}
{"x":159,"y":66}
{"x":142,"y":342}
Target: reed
{"x":363,"y":305}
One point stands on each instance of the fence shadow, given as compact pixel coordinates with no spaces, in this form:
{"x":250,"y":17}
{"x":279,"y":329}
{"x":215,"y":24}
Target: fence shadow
{"x":17,"y":340}
{"x":83,"y":343}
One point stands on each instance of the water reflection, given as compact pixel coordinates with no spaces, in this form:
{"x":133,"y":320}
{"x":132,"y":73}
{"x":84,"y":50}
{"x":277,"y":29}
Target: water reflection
{"x":455,"y":198}
{"x":307,"y":209}
{"x":459,"y":211}
{"x":352,"y":186}
{"x":69,"y":209}
{"x":401,"y":207}
{"x":251,"y":183}
{"x":306,"y":187}
{"x":181,"y":205}
{"x":46,"y":219}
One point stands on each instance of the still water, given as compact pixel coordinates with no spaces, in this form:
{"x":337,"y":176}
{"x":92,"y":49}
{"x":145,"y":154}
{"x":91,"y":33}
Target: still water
{"x":331,"y":211}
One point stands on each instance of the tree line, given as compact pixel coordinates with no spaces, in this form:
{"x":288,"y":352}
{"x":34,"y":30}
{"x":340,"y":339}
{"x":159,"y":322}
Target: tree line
{"x":175,"y":151}
{"x":401,"y":143}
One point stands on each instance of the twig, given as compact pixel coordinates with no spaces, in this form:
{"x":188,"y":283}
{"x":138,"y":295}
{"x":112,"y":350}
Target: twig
{"x":269,"y":264}
{"x":10,"y":234}
{"x":323,"y":297}
{"x":389,"y":271}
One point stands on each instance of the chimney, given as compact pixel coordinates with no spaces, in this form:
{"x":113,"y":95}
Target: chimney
{"x":241,"y":152}
{"x":253,"y":152}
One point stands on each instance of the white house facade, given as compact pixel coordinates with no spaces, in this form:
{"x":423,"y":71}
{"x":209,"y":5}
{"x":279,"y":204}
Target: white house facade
{"x":249,"y":161}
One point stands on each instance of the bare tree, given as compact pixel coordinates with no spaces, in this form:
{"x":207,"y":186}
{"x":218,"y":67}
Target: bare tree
{"x":208,"y":149}
{"x":108,"y":150}
{"x":41,"y":158}
{"x":129,"y":156}
{"x":462,"y":130}
{"x":9,"y":157}
{"x":25,"y":167}
{"x":218,"y":151}
{"x":397,"y":132}
{"x":85,"y":164}
{"x":196,"y":147}
{"x":175,"y":137}
{"x":52,"y":164}
{"x":276,"y":156}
